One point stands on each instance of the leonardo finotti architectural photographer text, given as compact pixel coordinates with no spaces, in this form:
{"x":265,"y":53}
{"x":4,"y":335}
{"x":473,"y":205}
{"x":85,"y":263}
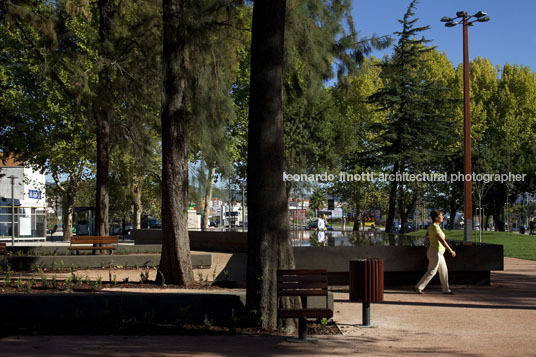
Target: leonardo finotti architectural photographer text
{"x":403,"y":177}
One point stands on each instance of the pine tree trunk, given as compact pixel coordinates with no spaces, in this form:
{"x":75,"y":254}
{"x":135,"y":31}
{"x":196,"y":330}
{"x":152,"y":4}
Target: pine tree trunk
{"x":208,"y":196}
{"x":175,"y":264}
{"x":269,"y":245}
{"x":392,"y":202}
{"x":103,"y":163}
{"x":103,"y":117}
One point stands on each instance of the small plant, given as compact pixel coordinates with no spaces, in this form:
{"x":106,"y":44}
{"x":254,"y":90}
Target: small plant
{"x":144,"y":277}
{"x":54,"y":282}
{"x":214,"y":273}
{"x":323,"y":324}
{"x":69,"y":284}
{"x":71,"y":268}
{"x":54,"y":265}
{"x":29,"y":285}
{"x":99,"y":281}
{"x":94,"y":285}
{"x":126,"y":264}
{"x":207,"y":322}
{"x":44,"y":280}
{"x":20,"y":284}
{"x":225,"y":274}
{"x":207,"y":283}
{"x":163,"y":282}
{"x":137,"y":266}
{"x":114,"y":281}
{"x":200,"y":276}
{"x":62,"y":264}
{"x":7,"y":277}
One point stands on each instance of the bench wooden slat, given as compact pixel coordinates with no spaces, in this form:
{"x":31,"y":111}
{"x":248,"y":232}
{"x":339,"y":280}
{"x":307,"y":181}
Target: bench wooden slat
{"x":93,"y":240}
{"x":291,"y":278}
{"x":302,"y":285}
{"x":91,"y":248}
{"x":307,"y":313}
{"x":302,"y":293}
{"x":88,"y":240}
{"x":302,"y":272}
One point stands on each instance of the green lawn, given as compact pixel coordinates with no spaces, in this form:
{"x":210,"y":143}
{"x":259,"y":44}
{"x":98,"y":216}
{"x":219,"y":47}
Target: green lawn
{"x":515,"y":245}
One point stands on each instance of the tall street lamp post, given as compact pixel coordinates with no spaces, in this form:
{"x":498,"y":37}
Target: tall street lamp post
{"x":463,"y":18}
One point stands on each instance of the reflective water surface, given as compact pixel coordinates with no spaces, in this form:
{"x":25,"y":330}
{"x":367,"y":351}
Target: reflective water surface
{"x":302,"y":238}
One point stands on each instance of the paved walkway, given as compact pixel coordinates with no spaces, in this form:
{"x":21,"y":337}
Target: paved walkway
{"x":479,"y":321}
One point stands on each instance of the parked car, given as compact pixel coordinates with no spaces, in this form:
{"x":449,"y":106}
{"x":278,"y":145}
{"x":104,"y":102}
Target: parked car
{"x":314,"y":225}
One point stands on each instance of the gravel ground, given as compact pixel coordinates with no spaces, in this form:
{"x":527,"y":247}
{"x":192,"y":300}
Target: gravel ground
{"x":499,"y":320}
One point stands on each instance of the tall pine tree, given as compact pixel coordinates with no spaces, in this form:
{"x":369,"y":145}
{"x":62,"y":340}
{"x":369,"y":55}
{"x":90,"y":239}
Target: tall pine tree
{"x":414,"y":118}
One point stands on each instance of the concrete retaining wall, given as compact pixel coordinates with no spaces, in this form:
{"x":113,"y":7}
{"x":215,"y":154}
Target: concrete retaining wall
{"x":99,"y":261}
{"x":105,"y":309}
{"x":210,"y":241}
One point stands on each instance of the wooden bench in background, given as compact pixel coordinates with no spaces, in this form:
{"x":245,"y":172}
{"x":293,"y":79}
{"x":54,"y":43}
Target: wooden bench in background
{"x":303,"y":283}
{"x":105,"y":243}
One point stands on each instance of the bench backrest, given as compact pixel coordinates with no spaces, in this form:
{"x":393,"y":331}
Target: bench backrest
{"x":302,"y":282}
{"x":93,"y":240}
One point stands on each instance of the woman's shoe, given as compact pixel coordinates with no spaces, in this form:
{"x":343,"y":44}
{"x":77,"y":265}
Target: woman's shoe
{"x":450,"y":292}
{"x":418,"y":291}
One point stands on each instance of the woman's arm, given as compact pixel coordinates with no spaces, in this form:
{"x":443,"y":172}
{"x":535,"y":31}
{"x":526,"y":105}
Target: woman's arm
{"x":441,"y":239}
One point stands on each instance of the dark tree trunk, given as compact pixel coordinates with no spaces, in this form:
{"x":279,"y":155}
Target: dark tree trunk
{"x":269,"y":245}
{"x":103,"y":162}
{"x":392,"y":202}
{"x":175,"y":264}
{"x":103,"y":115}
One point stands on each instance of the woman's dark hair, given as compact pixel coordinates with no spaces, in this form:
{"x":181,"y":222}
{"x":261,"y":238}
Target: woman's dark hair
{"x":434,"y":214}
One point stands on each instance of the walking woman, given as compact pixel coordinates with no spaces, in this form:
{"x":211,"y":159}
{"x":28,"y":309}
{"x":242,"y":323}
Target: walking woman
{"x":436,"y":260}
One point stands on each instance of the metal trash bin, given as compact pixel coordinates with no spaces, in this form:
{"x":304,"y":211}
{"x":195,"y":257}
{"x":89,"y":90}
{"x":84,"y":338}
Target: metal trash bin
{"x":366,"y":284}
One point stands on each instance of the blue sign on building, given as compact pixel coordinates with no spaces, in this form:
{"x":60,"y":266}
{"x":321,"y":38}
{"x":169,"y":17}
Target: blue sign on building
{"x":34,"y":194}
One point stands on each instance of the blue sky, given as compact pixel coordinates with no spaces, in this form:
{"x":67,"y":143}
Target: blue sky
{"x":509,"y":36}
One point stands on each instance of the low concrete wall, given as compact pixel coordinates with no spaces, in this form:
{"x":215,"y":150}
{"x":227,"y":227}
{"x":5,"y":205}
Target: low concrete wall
{"x":404,"y":265}
{"x":103,"y":310}
{"x":211,"y":241}
{"x":99,"y":261}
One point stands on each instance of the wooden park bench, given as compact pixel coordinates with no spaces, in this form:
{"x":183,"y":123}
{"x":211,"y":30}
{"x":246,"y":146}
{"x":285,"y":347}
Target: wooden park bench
{"x":303,"y":283}
{"x":3,"y":254}
{"x":104,"y":243}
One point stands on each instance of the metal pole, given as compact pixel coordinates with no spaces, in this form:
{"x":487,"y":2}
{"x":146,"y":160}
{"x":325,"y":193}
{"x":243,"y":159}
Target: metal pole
{"x":366,"y":314}
{"x":12,"y":209}
{"x":468,"y":189}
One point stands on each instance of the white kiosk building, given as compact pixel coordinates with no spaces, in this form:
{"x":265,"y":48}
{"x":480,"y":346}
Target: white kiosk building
{"x":28,"y":189}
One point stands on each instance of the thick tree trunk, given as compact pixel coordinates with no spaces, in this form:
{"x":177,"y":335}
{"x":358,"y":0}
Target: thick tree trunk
{"x":67,"y":216}
{"x":135,"y":194}
{"x":392,"y":202}
{"x":103,"y":163}
{"x":103,"y":117}
{"x":208,"y":196}
{"x":269,"y":245}
{"x":175,"y":264}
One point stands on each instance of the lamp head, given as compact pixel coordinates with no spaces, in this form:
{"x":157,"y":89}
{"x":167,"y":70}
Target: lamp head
{"x":484,"y":19}
{"x":460,"y":13}
{"x":450,"y":24}
{"x":446,"y":19}
{"x":480,"y":14}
